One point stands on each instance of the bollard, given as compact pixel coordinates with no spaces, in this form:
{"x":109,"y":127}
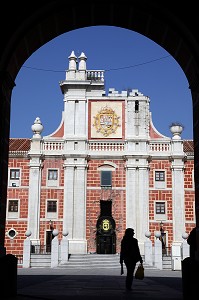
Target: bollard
{"x":8,"y":266}
{"x":190,"y":277}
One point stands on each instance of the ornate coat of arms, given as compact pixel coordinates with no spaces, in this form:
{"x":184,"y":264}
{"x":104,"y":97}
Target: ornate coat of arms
{"x":106,"y":121}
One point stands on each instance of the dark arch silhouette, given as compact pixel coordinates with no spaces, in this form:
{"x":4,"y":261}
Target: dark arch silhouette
{"x":27,"y":28}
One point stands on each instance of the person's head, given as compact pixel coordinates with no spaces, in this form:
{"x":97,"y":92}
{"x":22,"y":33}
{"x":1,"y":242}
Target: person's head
{"x":129,"y":232}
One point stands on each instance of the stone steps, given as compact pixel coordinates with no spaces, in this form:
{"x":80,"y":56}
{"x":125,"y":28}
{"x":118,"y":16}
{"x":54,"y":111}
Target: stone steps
{"x":96,"y":261}
{"x":86,"y":261}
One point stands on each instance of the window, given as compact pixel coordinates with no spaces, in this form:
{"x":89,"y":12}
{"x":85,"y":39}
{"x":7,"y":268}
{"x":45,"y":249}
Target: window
{"x":52,"y":177}
{"x":159,"y":176}
{"x":106,"y":178}
{"x":11,"y":233}
{"x":160,"y":208}
{"x":14,"y":174}
{"x":14,"y":178}
{"x":13,"y":206}
{"x":52,"y":174}
{"x":13,"y":209}
{"x":51,"y":206}
{"x":160,"y":179}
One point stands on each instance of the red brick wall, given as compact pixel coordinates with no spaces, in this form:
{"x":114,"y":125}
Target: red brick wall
{"x":189,"y":196}
{"x":15,"y":246}
{"x":94,"y":194}
{"x":155,"y":195}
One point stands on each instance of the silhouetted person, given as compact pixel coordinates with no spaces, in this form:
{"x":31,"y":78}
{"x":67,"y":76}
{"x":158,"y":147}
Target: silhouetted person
{"x":191,"y":240}
{"x":130,"y":255}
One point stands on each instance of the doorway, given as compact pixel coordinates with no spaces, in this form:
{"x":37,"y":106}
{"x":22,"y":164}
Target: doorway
{"x":106,"y":244}
{"x":105,"y":237}
{"x":49,"y":237}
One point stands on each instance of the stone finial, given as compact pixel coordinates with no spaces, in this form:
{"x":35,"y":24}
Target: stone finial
{"x":176,"y":129}
{"x":72,"y":61}
{"x":37,"y":128}
{"x":82,"y":61}
{"x":65,"y":233}
{"x":157,"y":234}
{"x":148,"y":234}
{"x":55,"y":232}
{"x":185,"y":235}
{"x":28,"y":233}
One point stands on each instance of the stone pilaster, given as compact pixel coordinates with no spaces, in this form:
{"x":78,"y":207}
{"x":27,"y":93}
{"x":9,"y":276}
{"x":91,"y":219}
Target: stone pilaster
{"x":35,"y":155}
{"x":75,"y":204}
{"x":177,"y":167}
{"x":34,"y":197}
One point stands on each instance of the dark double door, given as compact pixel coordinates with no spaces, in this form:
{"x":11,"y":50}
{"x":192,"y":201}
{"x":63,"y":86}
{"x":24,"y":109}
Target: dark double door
{"x":106,"y":238}
{"x":106,"y":244}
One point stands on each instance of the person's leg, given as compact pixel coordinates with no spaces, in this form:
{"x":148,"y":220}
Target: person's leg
{"x":130,"y":267}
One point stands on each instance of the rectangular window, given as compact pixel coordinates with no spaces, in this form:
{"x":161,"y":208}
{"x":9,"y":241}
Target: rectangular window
{"x":14,"y":174}
{"x":106,"y":178}
{"x":160,"y":208}
{"x":13,"y":206}
{"x":51,"y":206}
{"x":52,"y":174}
{"x":159,"y":175}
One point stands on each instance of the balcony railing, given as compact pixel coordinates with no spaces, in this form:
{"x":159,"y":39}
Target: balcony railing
{"x":59,"y":146}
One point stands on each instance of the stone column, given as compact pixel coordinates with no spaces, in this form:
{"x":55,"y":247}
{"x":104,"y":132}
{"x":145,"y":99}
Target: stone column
{"x":69,"y":116}
{"x":68,"y":197}
{"x":35,"y":155}
{"x":158,"y":251}
{"x":131,"y":192}
{"x":148,"y":250}
{"x":55,"y":249}
{"x":178,"y":200}
{"x":185,"y":248}
{"x":74,"y":218}
{"x":177,"y":168}
{"x":79,"y":222}
{"x":142,"y":211}
{"x":137,"y":187}
{"x":34,"y":198}
{"x":64,"y":248}
{"x":27,"y":250}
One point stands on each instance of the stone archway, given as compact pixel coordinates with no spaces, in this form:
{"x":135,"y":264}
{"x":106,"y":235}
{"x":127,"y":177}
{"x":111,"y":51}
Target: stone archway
{"x":173,"y":30}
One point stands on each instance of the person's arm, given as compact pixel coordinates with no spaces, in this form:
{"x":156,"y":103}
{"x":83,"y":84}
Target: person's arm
{"x":121,"y":258}
{"x":140,"y":257}
{"x":191,"y":240}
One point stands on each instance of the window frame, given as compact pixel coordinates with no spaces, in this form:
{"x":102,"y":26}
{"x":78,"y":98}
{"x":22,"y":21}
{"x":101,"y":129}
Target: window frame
{"x":159,"y":177}
{"x":160,"y":216}
{"x":54,"y":205}
{"x":160,"y":184}
{"x":13,"y":214}
{"x":53,"y":171}
{"x":51,"y":181}
{"x":14,"y":181}
{"x":105,"y":179}
{"x":50,"y":215}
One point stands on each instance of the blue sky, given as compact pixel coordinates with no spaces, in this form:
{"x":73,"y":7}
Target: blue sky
{"x":130,"y":60}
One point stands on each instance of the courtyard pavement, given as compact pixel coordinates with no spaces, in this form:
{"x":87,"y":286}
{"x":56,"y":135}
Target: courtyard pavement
{"x":95,"y":284}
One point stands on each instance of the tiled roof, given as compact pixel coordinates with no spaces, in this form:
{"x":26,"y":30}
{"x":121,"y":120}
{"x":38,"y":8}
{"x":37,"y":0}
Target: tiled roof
{"x":188,"y":146}
{"x":19,"y":144}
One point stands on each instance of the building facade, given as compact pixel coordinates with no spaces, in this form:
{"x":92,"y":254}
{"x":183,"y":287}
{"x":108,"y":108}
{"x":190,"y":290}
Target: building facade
{"x":105,"y":168}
